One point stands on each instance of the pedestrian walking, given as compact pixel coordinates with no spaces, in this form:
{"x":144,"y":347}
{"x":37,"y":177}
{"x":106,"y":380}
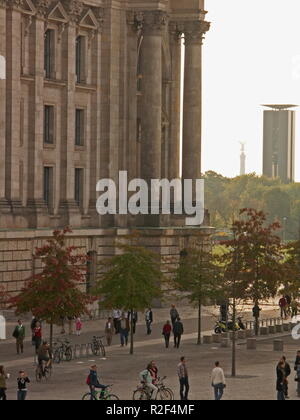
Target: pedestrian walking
{"x":294,"y":306}
{"x":283,"y":307}
{"x":280,"y":381}
{"x":124,"y":331}
{"x":256,"y":310}
{"x":109,"y":331}
{"x":174,"y":314}
{"x":167,"y":329}
{"x":134,"y":320}
{"x":178,"y":330}
{"x":22,"y":380}
{"x":287,"y":372}
{"x":218,"y":381}
{"x":3,"y":377}
{"x":78,"y":326}
{"x":149,"y":320}
{"x":183,"y":376}
{"x":288,"y":304}
{"x":117,"y":314}
{"x":19,"y":335}
{"x":37,"y":338}
{"x":297,"y":369}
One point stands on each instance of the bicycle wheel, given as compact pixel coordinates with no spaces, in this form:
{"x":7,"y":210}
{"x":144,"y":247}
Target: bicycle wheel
{"x":140,"y":395}
{"x":95,"y":349}
{"x":57,"y":356}
{"x":69,"y":354}
{"x":38,"y":374}
{"x":112,"y":397}
{"x":102,"y":350}
{"x":48,"y":373}
{"x":88,"y":397}
{"x":164,"y":395}
{"x":171,"y":393}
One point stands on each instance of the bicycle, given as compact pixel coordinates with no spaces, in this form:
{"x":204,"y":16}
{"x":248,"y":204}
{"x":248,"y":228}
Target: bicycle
{"x":43,"y":372}
{"x":98,"y":347}
{"x":64,"y":351}
{"x":163,"y":393}
{"x":101,"y":395}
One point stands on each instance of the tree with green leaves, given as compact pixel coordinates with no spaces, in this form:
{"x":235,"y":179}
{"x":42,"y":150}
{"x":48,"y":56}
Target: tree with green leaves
{"x":197,"y":277}
{"x":130,"y":280}
{"x":291,"y":283}
{"x":55,"y":292}
{"x":254,"y":262}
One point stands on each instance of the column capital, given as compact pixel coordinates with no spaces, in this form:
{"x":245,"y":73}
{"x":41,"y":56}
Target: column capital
{"x":42,"y":8}
{"x":3,"y":3}
{"x":135,"y":20}
{"x":155,"y":22}
{"x":75,"y":9}
{"x":14,"y":4}
{"x":194,"y":31}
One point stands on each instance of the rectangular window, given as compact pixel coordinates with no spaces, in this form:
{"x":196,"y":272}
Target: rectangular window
{"x":79,"y":187}
{"x":48,"y":187}
{"x":79,"y":127}
{"x":49,"y":53}
{"x":49,"y":124}
{"x":80,"y":59}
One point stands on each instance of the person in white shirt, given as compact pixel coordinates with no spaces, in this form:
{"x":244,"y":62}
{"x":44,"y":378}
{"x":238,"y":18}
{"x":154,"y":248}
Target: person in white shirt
{"x":218,"y":381}
{"x":117,"y":314}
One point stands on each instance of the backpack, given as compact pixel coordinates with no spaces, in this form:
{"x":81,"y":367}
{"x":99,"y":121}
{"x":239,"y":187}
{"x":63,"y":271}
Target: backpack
{"x":88,"y":380}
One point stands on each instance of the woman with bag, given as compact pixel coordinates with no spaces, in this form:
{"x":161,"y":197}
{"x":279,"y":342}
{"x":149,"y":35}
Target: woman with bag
{"x":297,"y":369}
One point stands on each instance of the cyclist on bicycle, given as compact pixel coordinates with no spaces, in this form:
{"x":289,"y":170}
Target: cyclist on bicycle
{"x":147,"y":381}
{"x":44,"y":355}
{"x":154,"y":372}
{"x":93,"y":382}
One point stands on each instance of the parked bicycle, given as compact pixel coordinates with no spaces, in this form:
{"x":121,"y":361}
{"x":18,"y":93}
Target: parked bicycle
{"x":98,"y":347}
{"x":163,"y":393}
{"x":104,"y":395}
{"x":62,"y":351}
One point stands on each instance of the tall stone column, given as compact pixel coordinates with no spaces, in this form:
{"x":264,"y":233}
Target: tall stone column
{"x":174,"y":145}
{"x":192,"y":106}
{"x":151,"y":56}
{"x":3,"y":201}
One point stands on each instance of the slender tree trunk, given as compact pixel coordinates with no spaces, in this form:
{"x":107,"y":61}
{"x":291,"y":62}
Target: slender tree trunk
{"x":131,"y":333}
{"x":199,"y":342}
{"x":51,"y":336}
{"x":233,"y":372}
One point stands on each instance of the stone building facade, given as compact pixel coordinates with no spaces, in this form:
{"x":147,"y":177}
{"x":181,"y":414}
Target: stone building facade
{"x":92,"y":88}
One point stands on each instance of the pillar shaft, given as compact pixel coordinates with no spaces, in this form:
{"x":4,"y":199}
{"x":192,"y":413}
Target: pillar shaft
{"x":151,"y":57}
{"x":192,"y":106}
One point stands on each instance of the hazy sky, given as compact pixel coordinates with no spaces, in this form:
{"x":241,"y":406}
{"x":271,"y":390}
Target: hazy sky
{"x":251,"y":57}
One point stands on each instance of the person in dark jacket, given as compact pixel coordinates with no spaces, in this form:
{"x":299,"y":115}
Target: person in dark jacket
{"x":280,"y":381}
{"x":287,"y":373}
{"x":94,"y":383}
{"x":124,"y":331}
{"x":174,"y":314}
{"x":167,"y":333}
{"x":22,"y":380}
{"x":19,"y":335}
{"x":297,"y":369}
{"x":177,"y":331}
{"x":149,"y":320}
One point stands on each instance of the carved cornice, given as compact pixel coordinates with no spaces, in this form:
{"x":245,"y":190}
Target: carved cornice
{"x":75,"y":9}
{"x":194,"y":31}
{"x":42,"y":7}
{"x":155,"y":22}
{"x":15,"y":4}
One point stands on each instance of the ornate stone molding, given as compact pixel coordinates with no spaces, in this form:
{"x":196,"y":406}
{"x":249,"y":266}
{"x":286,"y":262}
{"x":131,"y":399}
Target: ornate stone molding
{"x":3,"y":3}
{"x":42,"y":7}
{"x":175,"y":31}
{"x":15,"y":4}
{"x":155,"y":22}
{"x":194,"y":31}
{"x":135,"y":20}
{"x":75,"y":9}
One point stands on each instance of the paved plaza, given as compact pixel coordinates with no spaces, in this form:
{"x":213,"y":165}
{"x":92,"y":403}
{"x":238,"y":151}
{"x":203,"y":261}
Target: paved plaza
{"x":256,"y":369}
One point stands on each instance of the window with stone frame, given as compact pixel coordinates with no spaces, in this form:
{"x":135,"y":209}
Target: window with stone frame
{"x":49,"y":115}
{"x":48,"y":187}
{"x":81,"y":59}
{"x":78,"y":193}
{"x":49,"y":53}
{"x":79,"y":127}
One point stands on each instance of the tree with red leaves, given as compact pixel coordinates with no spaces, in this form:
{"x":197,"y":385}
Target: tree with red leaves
{"x":55,"y":292}
{"x":254,"y":266}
